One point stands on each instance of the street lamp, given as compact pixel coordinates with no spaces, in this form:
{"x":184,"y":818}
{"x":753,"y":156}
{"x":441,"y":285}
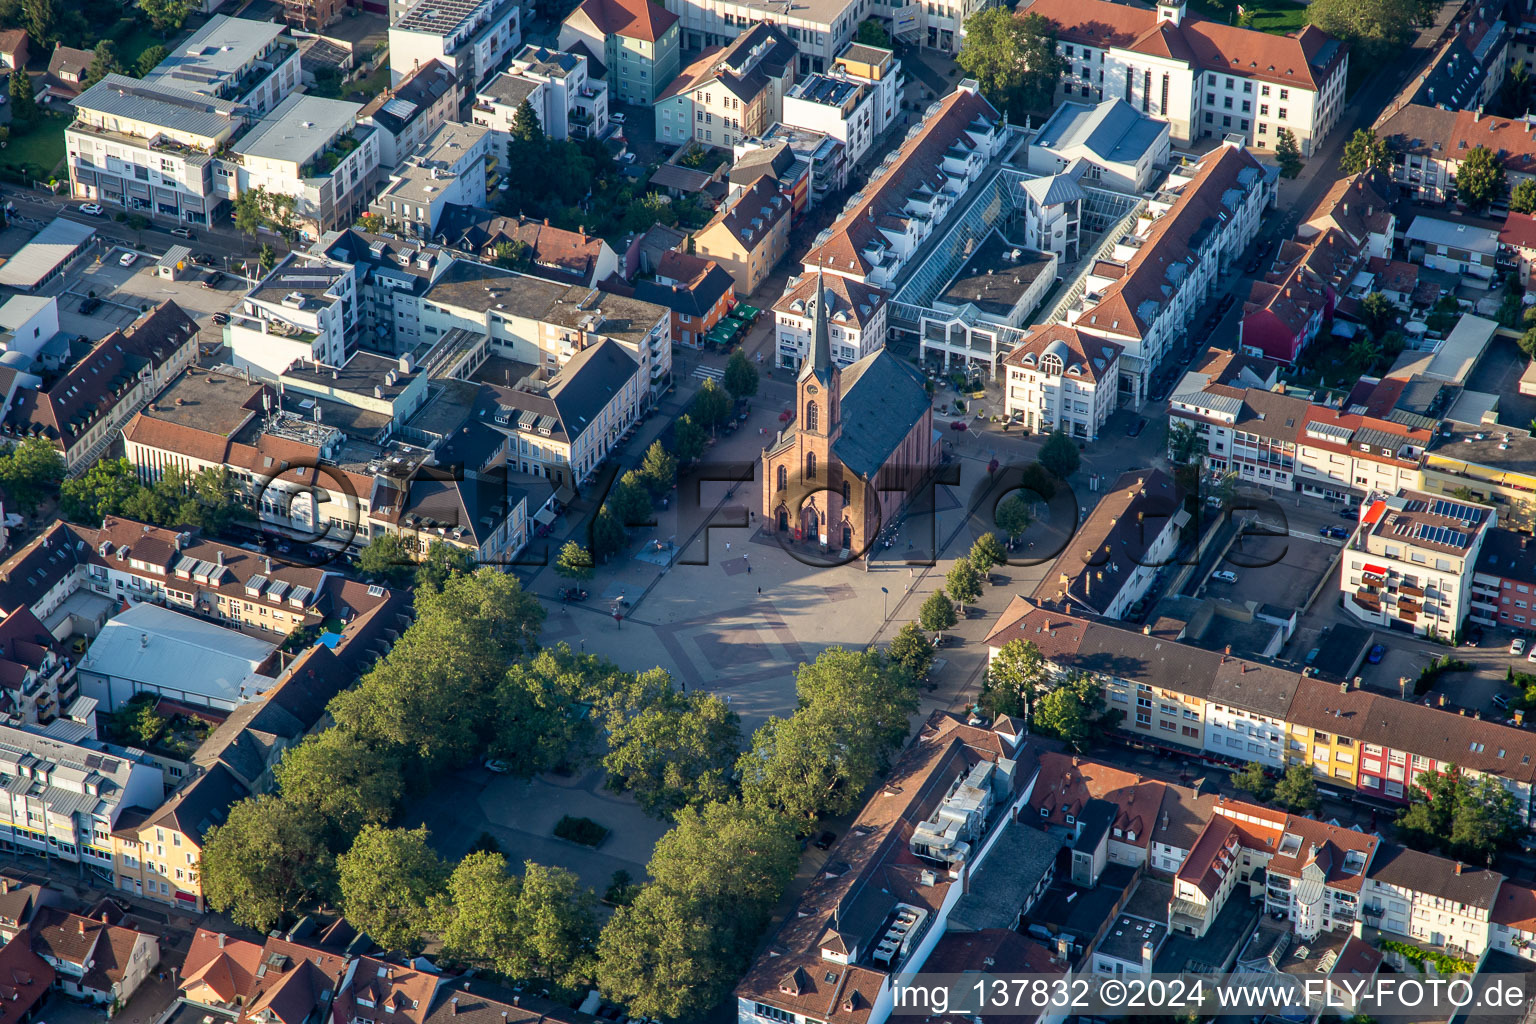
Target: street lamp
{"x":887,"y":599}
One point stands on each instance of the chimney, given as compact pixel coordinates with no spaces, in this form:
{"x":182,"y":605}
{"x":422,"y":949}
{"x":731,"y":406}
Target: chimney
{"x":81,"y":925}
{"x":1458,"y":867}
{"x":1442,"y":700}
{"x":1344,"y":686}
{"x":221,"y":940}
{"x":1227,"y":650}
{"x":221,"y":558}
{"x":453,"y":1007}
{"x":1146,"y":630}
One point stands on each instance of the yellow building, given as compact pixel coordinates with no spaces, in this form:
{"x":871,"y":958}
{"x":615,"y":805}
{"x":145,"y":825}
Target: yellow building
{"x":1492,"y":463}
{"x":157,"y":854}
{"x":1315,"y":731}
{"x":748,"y":234}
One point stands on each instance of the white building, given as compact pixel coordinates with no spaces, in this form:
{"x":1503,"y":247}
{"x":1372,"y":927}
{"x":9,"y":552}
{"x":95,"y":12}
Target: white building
{"x":1205,"y":78}
{"x":405,"y":115}
{"x":254,"y":64}
{"x":1053,"y":215}
{"x":305,"y":309}
{"x":854,"y":102}
{"x":1432,"y":900}
{"x":1120,"y":147}
{"x":855,"y":319}
{"x":27,"y":323}
{"x":1000,"y":285}
{"x":149,"y":649}
{"x":1057,"y":378}
{"x":1410,"y":564}
{"x":448,"y":169}
{"x":558,"y":85}
{"x":472,"y":37}
{"x":820,"y":29}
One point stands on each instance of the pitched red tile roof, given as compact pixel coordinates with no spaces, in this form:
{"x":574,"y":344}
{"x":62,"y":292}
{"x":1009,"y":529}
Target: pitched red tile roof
{"x":1519,"y":230}
{"x":25,"y":979}
{"x":632,"y":19}
{"x":226,"y":965}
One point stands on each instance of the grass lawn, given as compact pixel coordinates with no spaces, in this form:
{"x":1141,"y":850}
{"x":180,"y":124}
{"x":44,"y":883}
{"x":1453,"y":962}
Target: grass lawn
{"x":368,"y":88}
{"x":136,"y":42}
{"x":1274,"y":16}
{"x":42,"y":148}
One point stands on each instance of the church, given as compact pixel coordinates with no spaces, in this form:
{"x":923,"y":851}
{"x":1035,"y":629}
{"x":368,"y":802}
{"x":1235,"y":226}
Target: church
{"x":861,"y":443}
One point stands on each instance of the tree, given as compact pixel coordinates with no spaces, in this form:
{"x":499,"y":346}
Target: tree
{"x":688,"y":438}
{"x":1251,"y":779}
{"x":659,"y":469}
{"x":910,"y":649}
{"x":257,"y":208}
{"x":342,"y":779}
{"x":99,"y":492}
{"x":1527,"y":342}
{"x":1014,"y":59}
{"x":1297,"y":790}
{"x":937,"y":613}
{"x":23,"y":109}
{"x":1287,"y":153}
{"x":1014,"y":679}
{"x":526,"y":128}
{"x":104,"y":62}
{"x":574,"y":562}
{"x":554,"y":928}
{"x":388,"y":882}
{"x":1522,"y":199}
{"x":444,"y":560}
{"x":1480,"y":181}
{"x":740,"y":376}
{"x":41,"y":18}
{"x":987,"y":552}
{"x":267,"y":858}
{"x":1467,"y":818}
{"x":166,"y":15}
{"x":608,"y":534}
{"x":371,"y":223}
{"x":386,"y":560}
{"x":872,"y":33}
{"x":1059,"y":455}
{"x":30,"y":472}
{"x":150,"y":59}
{"x":711,"y":406}
{"x":1012,"y":517}
{"x":1365,"y":152}
{"x":676,"y":951}
{"x":536,"y":709}
{"x":512,"y":255}
{"x":963,"y":582}
{"x":1035,"y":477}
{"x":1374,"y":27}
{"x":477,"y":920}
{"x":266,"y":258}
{"x":676,"y":754}
{"x":1073,"y":712}
{"x":1377,"y":314}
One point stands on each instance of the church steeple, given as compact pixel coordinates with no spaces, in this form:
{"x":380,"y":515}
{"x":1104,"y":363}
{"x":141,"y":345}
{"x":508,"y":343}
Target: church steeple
{"x":819,"y":363}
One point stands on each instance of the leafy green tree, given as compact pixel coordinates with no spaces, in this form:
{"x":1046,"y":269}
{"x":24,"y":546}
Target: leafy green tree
{"x":1297,"y":790}
{"x":1375,"y":28}
{"x":526,"y":127}
{"x":676,"y":951}
{"x":166,"y":15}
{"x":688,"y":438}
{"x":477,"y":921}
{"x":267,"y":858}
{"x":1467,"y":818}
{"x":104,"y":62}
{"x":937,"y":613}
{"x":371,"y":223}
{"x":142,"y":724}
{"x":872,"y":33}
{"x":630,"y":501}
{"x":538,"y":707}
{"x":1073,"y":712}
{"x":23,"y":108}
{"x":574,"y":562}
{"x":608,"y":534}
{"x":1012,"y":517}
{"x":386,"y":560}
{"x":1522,"y":199}
{"x":986,"y":552}
{"x":266,"y":258}
{"x":1059,"y":455}
{"x":554,"y":928}
{"x":149,"y":59}
{"x":1014,"y":679}
{"x":1251,"y":779}
{"x":388,"y":882}
{"x":676,"y":754}
{"x":1377,"y":314}
{"x":99,"y":492}
{"x":963,"y":582}
{"x":30,"y":471}
{"x":444,"y":560}
{"x":41,"y":19}
{"x":512,"y":255}
{"x":1481,"y":181}
{"x":910,"y":649}
{"x":344,"y":780}
{"x":1287,"y":152}
{"x":711,"y":406}
{"x":1014,"y":59}
{"x":740,"y":376}
{"x":1365,"y":152}
{"x":1035,"y":477}
{"x":659,"y":469}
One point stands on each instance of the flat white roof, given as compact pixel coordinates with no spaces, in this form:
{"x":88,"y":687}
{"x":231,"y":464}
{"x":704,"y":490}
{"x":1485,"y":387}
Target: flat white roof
{"x":147,"y":643}
{"x":18,"y":309}
{"x":216,"y":52}
{"x":40,"y":257}
{"x":298,"y":128}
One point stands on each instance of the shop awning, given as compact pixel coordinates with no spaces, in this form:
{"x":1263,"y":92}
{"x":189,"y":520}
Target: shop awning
{"x":1375,"y":570}
{"x":544,"y":516}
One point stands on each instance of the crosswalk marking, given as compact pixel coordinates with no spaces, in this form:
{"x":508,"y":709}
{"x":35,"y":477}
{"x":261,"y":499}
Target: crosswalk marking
{"x":708,"y":373}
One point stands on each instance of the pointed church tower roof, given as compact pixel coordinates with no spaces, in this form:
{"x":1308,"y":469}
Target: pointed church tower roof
{"x":820,"y":361}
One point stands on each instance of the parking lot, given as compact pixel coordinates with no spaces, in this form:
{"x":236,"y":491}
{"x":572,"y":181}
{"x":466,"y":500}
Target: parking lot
{"x":1281,"y":571}
{"x":103,"y":296}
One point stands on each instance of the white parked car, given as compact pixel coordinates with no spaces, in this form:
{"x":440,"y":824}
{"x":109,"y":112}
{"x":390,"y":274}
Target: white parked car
{"x":129,"y":259}
{"x":93,"y":209}
{"x":616,"y":117}
{"x":1224,"y":576}
{"x":1517,"y":645}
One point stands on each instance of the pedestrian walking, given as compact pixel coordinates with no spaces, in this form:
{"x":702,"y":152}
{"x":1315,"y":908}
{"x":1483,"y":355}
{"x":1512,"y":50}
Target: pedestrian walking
{"x":749,"y":568}
{"x":759,"y":591}
{"x":727,"y":545}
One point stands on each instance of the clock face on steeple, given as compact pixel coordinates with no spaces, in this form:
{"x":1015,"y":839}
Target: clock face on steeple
{"x":812,"y":389}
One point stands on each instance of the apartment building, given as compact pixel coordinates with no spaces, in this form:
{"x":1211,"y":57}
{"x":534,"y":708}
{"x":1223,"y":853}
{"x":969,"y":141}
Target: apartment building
{"x":473,"y":38}
{"x":637,"y":41}
{"x":855,"y":315}
{"x":568,"y":101}
{"x":1317,"y":875}
{"x":1442,"y":903}
{"x":1119,"y":146}
{"x":404,"y":116}
{"x":570,"y":257}
{"x":1057,"y":378}
{"x":39,"y":677}
{"x":1428,"y":145}
{"x":448,"y":169}
{"x":1147,"y":291}
{"x":1410,"y":565}
{"x":748,"y":235}
{"x":913,"y":191}
{"x":253,"y":64}
{"x":855,"y":101}
{"x":314,"y":150}
{"x":391,"y":277}
{"x":305,"y":309}
{"x":1469,"y":68}
{"x":729,"y":94}
{"x":698,"y":291}
{"x":85,"y":406}
{"x":820,"y":30}
{"x":1504,"y":581}
{"x":1205,"y":78}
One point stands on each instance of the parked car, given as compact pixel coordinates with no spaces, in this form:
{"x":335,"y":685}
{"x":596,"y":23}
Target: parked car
{"x":221,"y":318}
{"x":1336,"y":532}
{"x":1501,"y":701}
{"x":89,"y":305}
{"x":1517,"y":645}
{"x":129,"y":259}
{"x":825,"y":840}
{"x":1377,"y":652}
{"x":1349,"y":512}
{"x":1137,"y":427}
{"x":1224,"y":576}
{"x":92,"y":209}
{"x":202,"y":259}
{"x":616,"y":117}
{"x":214,"y":279}
{"x":183,"y":232}
{"x":496,"y":767}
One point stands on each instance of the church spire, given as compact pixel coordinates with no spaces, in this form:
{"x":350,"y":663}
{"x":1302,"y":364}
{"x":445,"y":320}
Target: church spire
{"x":820,"y":361}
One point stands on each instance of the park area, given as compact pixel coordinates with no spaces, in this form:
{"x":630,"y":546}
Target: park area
{"x":1274,"y":16}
